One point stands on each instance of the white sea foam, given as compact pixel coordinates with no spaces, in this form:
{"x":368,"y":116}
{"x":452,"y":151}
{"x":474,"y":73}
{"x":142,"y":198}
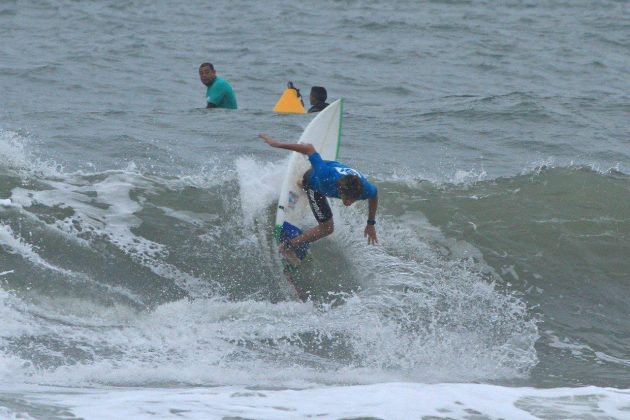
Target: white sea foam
{"x":452,"y":307}
{"x":12,"y":149}
{"x":106,"y":209}
{"x":7,"y":413}
{"x":247,"y":342}
{"x":212,"y":174}
{"x":582,"y":350}
{"x":259,"y":185}
{"x":15,"y":154}
{"x":189,"y":217}
{"x":611,"y":359}
{"x":568,"y":344}
{"x":384,"y":400}
{"x":13,"y":244}
{"x":15,"y":321}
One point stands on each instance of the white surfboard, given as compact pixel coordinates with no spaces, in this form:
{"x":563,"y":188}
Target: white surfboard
{"x":324,"y":133}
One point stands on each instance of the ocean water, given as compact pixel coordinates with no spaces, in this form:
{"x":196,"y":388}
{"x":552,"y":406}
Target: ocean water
{"x":138,"y":271}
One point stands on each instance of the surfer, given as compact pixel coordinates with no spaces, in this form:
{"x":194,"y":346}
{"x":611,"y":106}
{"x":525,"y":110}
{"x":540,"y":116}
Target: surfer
{"x":318,"y":99}
{"x":219,"y":93}
{"x":328,"y":178}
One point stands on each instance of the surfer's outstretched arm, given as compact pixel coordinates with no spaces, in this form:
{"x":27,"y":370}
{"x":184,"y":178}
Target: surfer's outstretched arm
{"x":306,"y":148}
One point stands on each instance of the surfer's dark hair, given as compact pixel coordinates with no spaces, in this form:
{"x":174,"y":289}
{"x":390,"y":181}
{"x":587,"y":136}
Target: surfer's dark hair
{"x":350,"y":186}
{"x":207,"y":65}
{"x":319,"y":93}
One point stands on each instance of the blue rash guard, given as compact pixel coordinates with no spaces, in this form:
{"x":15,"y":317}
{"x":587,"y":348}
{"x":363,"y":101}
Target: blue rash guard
{"x":326,"y":173}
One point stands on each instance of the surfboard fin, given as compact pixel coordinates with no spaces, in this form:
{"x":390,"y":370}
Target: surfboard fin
{"x":289,"y":232}
{"x":290,"y":102}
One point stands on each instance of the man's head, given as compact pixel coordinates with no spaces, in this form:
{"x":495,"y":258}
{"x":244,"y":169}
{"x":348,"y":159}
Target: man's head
{"x":207,"y":73}
{"x":318,"y":95}
{"x":350,"y":189}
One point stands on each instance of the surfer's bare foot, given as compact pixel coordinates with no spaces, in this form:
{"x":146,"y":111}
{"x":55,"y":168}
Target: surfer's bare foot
{"x":289,"y":255}
{"x":299,"y":184}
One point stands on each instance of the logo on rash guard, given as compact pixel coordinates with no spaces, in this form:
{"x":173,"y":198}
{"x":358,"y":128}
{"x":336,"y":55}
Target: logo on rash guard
{"x":347,"y":171}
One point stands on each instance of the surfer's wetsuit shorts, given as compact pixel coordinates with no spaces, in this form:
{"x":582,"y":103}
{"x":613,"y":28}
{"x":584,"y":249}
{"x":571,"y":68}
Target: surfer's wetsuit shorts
{"x":319,"y":205}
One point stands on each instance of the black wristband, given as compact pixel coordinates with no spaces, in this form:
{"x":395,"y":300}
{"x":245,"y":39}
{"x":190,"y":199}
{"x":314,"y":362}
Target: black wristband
{"x":371,"y":222}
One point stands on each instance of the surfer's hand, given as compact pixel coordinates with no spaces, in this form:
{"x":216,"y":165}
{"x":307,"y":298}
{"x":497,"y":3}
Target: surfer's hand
{"x":370,"y":233}
{"x":271,"y":142}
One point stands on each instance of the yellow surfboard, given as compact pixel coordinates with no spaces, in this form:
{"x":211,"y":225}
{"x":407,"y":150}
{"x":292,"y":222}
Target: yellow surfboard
{"x":290,"y":102}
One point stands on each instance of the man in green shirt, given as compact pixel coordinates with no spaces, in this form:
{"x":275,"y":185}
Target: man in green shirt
{"x":219,"y":93}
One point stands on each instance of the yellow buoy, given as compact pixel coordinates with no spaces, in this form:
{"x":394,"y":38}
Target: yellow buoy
{"x":290,"y":102}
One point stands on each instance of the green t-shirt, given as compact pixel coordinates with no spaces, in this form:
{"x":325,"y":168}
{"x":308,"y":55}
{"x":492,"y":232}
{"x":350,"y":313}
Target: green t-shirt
{"x":221,"y":94}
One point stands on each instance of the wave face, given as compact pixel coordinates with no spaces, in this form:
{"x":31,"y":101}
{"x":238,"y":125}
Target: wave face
{"x":124,"y":278}
{"x":560,"y":237}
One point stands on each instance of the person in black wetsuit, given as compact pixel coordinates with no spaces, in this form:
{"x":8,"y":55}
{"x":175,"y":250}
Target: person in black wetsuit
{"x":318,"y":99}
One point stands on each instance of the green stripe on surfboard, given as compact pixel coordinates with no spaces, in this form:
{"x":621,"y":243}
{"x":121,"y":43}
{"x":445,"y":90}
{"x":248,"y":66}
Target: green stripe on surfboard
{"x":277,"y":229}
{"x":340,"y":127}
